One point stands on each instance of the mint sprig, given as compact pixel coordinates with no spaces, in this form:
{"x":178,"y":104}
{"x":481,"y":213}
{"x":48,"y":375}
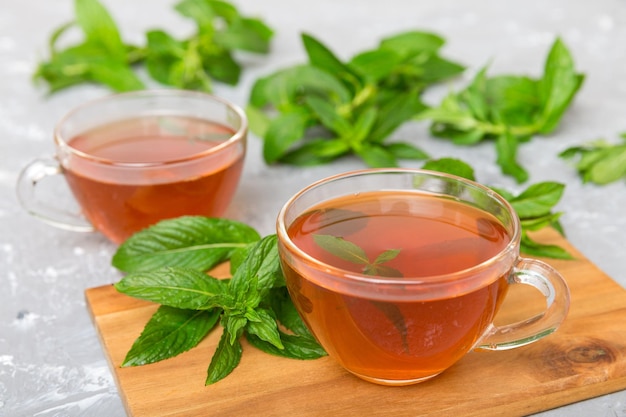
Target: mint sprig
{"x":351,"y":252}
{"x":508,"y":109}
{"x":316,"y":112}
{"x":190,"y":63}
{"x":599,"y":162}
{"x":167,"y":264}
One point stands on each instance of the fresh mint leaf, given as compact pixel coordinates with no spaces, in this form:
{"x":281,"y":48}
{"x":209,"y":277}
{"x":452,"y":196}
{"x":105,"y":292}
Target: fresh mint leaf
{"x":342,"y":248}
{"x":451,"y":166}
{"x":265,"y":329}
{"x":534,"y":248}
{"x":536,"y":223}
{"x":246,"y":34}
{"x":225,"y":359}
{"x":506,"y":149}
{"x":413,"y":43}
{"x":559,"y":85}
{"x":316,"y":152}
{"x":534,"y":206}
{"x":284,"y":89}
{"x":323,"y":58}
{"x":223,"y":66}
{"x":375,"y":65}
{"x":170,"y":332}
{"x":190,"y":241}
{"x":393,"y":112}
{"x":405,"y":150}
{"x":294,"y":346}
{"x":183,"y":288}
{"x":281,"y":304}
{"x":599,"y":162}
{"x":282,"y":132}
{"x":328,"y":116}
{"x":376,"y":156}
{"x":234,"y":322}
{"x":260,"y":267}
{"x":538,"y":199}
{"x":99,"y":28}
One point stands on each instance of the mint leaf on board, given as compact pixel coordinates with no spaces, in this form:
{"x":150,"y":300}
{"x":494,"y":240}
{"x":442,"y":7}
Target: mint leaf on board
{"x":508,"y":109}
{"x":189,"y":63}
{"x":261,"y":268}
{"x":265,"y":328}
{"x":178,"y":287}
{"x":314,"y":113}
{"x":225,"y":359}
{"x":599,"y":162}
{"x":190,"y":241}
{"x":294,"y":346}
{"x":170,"y":332}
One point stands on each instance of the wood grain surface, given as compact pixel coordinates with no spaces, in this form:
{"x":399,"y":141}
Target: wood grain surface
{"x":586,"y":357}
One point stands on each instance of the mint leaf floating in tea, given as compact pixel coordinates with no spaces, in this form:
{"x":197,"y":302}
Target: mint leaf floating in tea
{"x":316,"y":112}
{"x":189,"y":63}
{"x":599,"y":162}
{"x":508,"y":109}
{"x":353,"y":253}
{"x":167,"y":264}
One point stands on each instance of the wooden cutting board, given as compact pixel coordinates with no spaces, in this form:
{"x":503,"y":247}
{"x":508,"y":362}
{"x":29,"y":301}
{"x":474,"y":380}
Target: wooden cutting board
{"x":585,"y":358}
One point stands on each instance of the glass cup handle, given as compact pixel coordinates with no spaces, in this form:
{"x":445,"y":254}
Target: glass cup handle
{"x":34,"y":173}
{"x":553,"y":287}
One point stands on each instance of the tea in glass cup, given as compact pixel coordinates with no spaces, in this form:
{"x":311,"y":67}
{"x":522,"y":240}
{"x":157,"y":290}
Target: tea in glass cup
{"x":134,"y":159}
{"x":399,"y":273}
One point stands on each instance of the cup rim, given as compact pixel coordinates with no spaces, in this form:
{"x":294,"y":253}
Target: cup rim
{"x":510,"y":249}
{"x":238,"y":136}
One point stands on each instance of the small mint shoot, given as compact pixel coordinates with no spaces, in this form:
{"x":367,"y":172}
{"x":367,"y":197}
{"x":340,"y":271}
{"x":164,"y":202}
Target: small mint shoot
{"x":352,"y":252}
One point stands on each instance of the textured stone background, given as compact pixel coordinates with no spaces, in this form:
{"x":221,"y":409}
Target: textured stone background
{"x":51,"y":362}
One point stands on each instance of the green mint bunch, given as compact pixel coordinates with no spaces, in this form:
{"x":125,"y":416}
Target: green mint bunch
{"x":324,"y":109}
{"x":534,"y":207}
{"x":191,"y":63}
{"x":508,"y":109}
{"x":167,"y":264}
{"x":599,"y":162}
